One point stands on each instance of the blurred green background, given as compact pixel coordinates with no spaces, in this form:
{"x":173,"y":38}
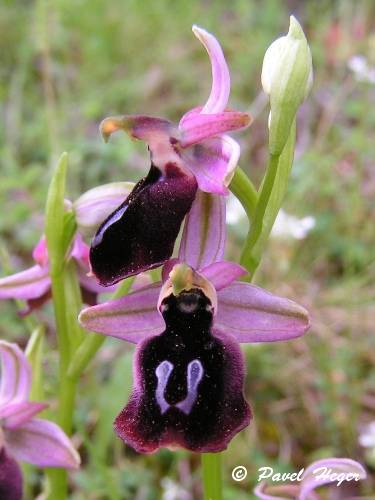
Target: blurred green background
{"x":67,"y":64}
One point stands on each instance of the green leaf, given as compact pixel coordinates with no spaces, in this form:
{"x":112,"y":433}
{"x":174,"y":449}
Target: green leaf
{"x":54,"y":223}
{"x":69,"y":231}
{"x":34,"y":354}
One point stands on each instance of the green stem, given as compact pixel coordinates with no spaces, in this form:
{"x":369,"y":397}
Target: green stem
{"x":242,"y":187}
{"x":247,"y":259}
{"x":73,"y":305}
{"x":212,"y":481}
{"x":271,"y":196}
{"x":56,"y":244}
{"x":93,"y":341}
{"x":57,"y":488}
{"x":59,"y":306}
{"x":58,"y":477}
{"x":65,"y":323}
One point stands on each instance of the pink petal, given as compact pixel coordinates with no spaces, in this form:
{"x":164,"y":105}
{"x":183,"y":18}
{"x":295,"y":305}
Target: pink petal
{"x":192,"y":112}
{"x":16,"y":414}
{"x":80,"y":251}
{"x":42,"y":443}
{"x":140,"y":127}
{"x":220,"y":90}
{"x":15,"y":380}
{"x":198,"y":127}
{"x":213,"y":162}
{"x":315,"y":475}
{"x":252,"y":314}
{"x":40,"y":252}
{"x":203,"y":238}
{"x":222,"y":274}
{"x":28,"y":284}
{"x":277,"y":492}
{"x":160,"y":135}
{"x":132,"y":318}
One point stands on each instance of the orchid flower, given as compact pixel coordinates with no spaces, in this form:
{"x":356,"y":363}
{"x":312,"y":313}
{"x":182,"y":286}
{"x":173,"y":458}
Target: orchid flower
{"x":319,"y":473}
{"x":22,"y":436}
{"x":34,"y":284}
{"x":188,"y":369}
{"x":194,"y":156}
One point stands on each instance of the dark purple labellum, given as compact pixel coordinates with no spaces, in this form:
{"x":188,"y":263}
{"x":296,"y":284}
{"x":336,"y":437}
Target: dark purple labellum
{"x":10,"y":478}
{"x":188,"y":385}
{"x":140,"y":233}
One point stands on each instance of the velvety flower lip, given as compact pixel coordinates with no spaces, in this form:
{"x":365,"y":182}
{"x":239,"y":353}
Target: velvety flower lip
{"x":23,"y":437}
{"x":11,"y":487}
{"x":139,"y":235}
{"x":194,"y":156}
{"x":187,"y":330}
{"x":188,"y":380}
{"x":313,"y":477}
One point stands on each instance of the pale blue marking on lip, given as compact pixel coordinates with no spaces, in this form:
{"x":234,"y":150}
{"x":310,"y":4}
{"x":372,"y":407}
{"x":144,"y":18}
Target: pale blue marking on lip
{"x":194,"y":376}
{"x":163,"y":372}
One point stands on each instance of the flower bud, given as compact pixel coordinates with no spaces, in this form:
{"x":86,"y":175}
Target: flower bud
{"x":287,"y":77}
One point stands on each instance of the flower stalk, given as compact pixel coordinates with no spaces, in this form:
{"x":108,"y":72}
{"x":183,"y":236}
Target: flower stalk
{"x":212,"y":476}
{"x":65,"y":321}
{"x":242,"y":187}
{"x":271,"y":196}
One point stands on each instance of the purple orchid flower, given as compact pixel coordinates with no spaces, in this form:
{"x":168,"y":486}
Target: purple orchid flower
{"x":188,"y":370}
{"x":326,"y":471}
{"x":194,"y":156}
{"x":34,"y":284}
{"x":22,"y":436}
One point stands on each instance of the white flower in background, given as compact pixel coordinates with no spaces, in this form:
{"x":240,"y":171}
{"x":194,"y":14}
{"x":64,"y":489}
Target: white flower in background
{"x":289,"y":226}
{"x":235,"y":211}
{"x":363,"y":72}
{"x":367,"y":437}
{"x":173,"y":491}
